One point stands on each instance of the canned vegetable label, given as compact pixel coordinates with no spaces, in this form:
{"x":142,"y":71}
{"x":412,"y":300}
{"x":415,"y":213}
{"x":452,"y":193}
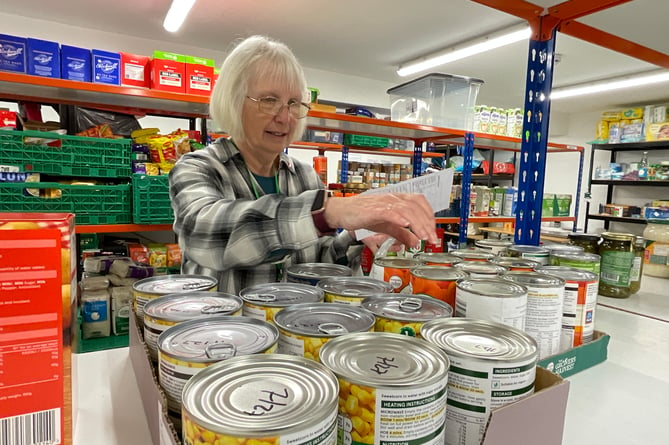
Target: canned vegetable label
{"x":351,"y":290}
{"x":404,"y":314}
{"x":264,"y":301}
{"x":397,"y":272}
{"x":492,"y":299}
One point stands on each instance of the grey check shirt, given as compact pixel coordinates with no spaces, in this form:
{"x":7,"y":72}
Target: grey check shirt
{"x":226,"y":233}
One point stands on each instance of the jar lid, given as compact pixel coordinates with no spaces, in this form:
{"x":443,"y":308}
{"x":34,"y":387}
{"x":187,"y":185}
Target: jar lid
{"x":583,"y":236}
{"x":618,"y":236}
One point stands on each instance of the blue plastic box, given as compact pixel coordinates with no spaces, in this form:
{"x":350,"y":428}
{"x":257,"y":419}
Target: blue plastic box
{"x":75,"y":63}
{"x":106,"y":67}
{"x":12,"y":53}
{"x":43,"y":58}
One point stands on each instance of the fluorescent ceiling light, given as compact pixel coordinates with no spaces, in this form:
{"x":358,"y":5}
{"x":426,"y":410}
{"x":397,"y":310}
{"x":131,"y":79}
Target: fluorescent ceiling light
{"x":467,"y":49}
{"x":177,"y":14}
{"x":611,"y":84}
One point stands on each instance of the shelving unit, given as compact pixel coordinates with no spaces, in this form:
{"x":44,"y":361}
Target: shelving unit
{"x":614,"y":150}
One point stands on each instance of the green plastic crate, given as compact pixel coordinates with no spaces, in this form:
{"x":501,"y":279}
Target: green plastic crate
{"x":81,"y":345}
{"x":151,"y":202}
{"x":365,"y":141}
{"x":76,"y":155}
{"x":91,"y":204}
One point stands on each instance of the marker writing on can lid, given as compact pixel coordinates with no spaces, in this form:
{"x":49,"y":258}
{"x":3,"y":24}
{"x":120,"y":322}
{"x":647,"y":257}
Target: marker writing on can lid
{"x":271,"y":403}
{"x":382,"y":366}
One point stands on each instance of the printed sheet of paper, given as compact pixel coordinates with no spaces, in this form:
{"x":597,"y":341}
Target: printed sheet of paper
{"x":435,"y":186}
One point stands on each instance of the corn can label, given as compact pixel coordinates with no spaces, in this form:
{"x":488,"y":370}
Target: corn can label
{"x":265,"y":313}
{"x":330,"y":297}
{"x":153,"y":327}
{"x":408,"y":328}
{"x":323,"y":433}
{"x":375,"y":416}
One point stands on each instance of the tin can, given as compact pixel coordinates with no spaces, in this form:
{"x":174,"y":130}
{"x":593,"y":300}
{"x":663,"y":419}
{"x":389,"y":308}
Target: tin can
{"x":312,"y":273}
{"x":151,"y":288}
{"x":351,"y":290}
{"x":479,"y":269}
{"x":535,"y":253}
{"x":397,"y":272}
{"x":437,"y":282}
{"x":189,"y":347}
{"x":582,"y":260}
{"x":472,"y":254}
{"x":485,"y":357}
{"x":305,"y":328}
{"x":514,"y":263}
{"x":264,"y":399}
{"x":543,"y":320}
{"x":554,"y":249}
{"x":578,"y":308}
{"x":386,"y":383}
{"x":400,"y":314}
{"x":437,"y":258}
{"x":263,"y":301}
{"x":172,"y":309}
{"x":492,"y":299}
{"x":496,"y":246}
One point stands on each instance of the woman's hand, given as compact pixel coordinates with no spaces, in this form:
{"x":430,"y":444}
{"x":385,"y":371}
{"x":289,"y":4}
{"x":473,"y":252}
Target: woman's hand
{"x":407,"y":217}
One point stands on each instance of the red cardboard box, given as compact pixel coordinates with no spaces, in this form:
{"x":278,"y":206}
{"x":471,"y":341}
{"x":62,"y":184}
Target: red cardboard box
{"x":135,"y":70}
{"x":199,"y":75}
{"x":7,"y":119}
{"x":168,"y":72}
{"x":37,"y":306}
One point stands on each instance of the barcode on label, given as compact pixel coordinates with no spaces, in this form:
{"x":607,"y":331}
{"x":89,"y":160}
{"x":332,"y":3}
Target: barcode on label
{"x":41,"y":428}
{"x":610,"y":276}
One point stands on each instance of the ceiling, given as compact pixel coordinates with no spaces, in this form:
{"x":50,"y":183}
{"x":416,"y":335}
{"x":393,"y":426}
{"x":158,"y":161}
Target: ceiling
{"x":370,"y":38}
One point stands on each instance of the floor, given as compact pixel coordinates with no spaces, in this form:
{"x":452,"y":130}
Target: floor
{"x":622,"y":401}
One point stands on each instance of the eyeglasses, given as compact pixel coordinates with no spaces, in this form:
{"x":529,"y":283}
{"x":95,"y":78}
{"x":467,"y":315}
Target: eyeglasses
{"x":272,"y":105}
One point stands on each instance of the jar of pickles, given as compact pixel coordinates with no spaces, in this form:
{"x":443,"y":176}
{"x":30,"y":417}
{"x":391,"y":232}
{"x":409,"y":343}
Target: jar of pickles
{"x":637,"y":265}
{"x":617,"y":257}
{"x":589,"y":242}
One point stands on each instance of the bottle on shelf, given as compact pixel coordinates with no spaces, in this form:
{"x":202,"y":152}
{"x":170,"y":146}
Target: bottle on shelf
{"x":643,"y":166}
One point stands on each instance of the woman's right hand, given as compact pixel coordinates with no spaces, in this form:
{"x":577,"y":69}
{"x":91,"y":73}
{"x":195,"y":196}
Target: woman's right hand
{"x":407,"y":217}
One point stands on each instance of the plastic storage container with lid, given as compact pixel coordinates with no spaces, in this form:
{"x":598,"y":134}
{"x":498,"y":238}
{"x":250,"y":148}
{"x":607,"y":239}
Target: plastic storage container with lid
{"x":656,"y":257}
{"x":442,"y":100}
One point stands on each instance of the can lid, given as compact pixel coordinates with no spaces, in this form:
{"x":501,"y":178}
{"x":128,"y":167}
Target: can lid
{"x":324,"y":319}
{"x":488,"y":340}
{"x":524,"y":248}
{"x":397,"y":262}
{"x":492,"y":287}
{"x":381,"y":359}
{"x":213,"y":339}
{"x":511,"y":262}
{"x":407,"y":307}
{"x":354,"y":286}
{"x":576,"y":256}
{"x":442,"y":273}
{"x":531,"y":278}
{"x":170,"y":284}
{"x":480,"y":267}
{"x":189,"y":305}
{"x":473,"y":254}
{"x":281,"y":294}
{"x":227,"y":398}
{"x":318,"y":270}
{"x":564,"y":248}
{"x":568,"y":273}
{"x":437,"y":257}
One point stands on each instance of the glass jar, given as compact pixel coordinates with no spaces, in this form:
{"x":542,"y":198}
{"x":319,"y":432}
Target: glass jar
{"x":589,"y":242}
{"x":656,"y":258}
{"x":617,"y":256}
{"x":637,"y":265}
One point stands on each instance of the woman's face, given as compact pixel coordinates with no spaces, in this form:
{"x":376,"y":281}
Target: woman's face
{"x":266,"y":132}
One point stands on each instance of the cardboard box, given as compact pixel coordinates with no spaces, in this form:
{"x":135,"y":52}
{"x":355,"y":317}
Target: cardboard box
{"x":153,"y":398}
{"x":75,"y":63}
{"x":7,"y":119}
{"x":106,"y":67}
{"x":168,"y":72}
{"x":657,"y":131}
{"x":199,"y":75}
{"x":579,"y":358}
{"x":43,"y":58}
{"x":13,"y":53}
{"x":37,"y":308}
{"x":135,"y":70}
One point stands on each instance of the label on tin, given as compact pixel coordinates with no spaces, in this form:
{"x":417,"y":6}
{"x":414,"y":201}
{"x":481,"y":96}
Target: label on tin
{"x":261,"y":313}
{"x":334,"y":298}
{"x":578,"y":313}
{"x":543,"y":320}
{"x":475,"y":389}
{"x":539,"y":257}
{"x":591,"y":266}
{"x":510,"y":311}
{"x":173,"y":375}
{"x":152,"y":330}
{"x":391,"y":417}
{"x":301,"y":346}
{"x":399,"y":279}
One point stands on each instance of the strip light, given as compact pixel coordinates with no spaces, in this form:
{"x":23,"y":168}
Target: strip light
{"x":177,"y":14}
{"x":467,"y":49}
{"x":611,"y":84}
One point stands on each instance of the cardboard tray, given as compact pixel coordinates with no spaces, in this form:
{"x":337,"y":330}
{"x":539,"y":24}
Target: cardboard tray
{"x":579,"y":358}
{"x":538,"y":418}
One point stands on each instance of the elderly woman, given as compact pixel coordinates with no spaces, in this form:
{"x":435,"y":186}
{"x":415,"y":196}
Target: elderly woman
{"x":244,"y":209}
